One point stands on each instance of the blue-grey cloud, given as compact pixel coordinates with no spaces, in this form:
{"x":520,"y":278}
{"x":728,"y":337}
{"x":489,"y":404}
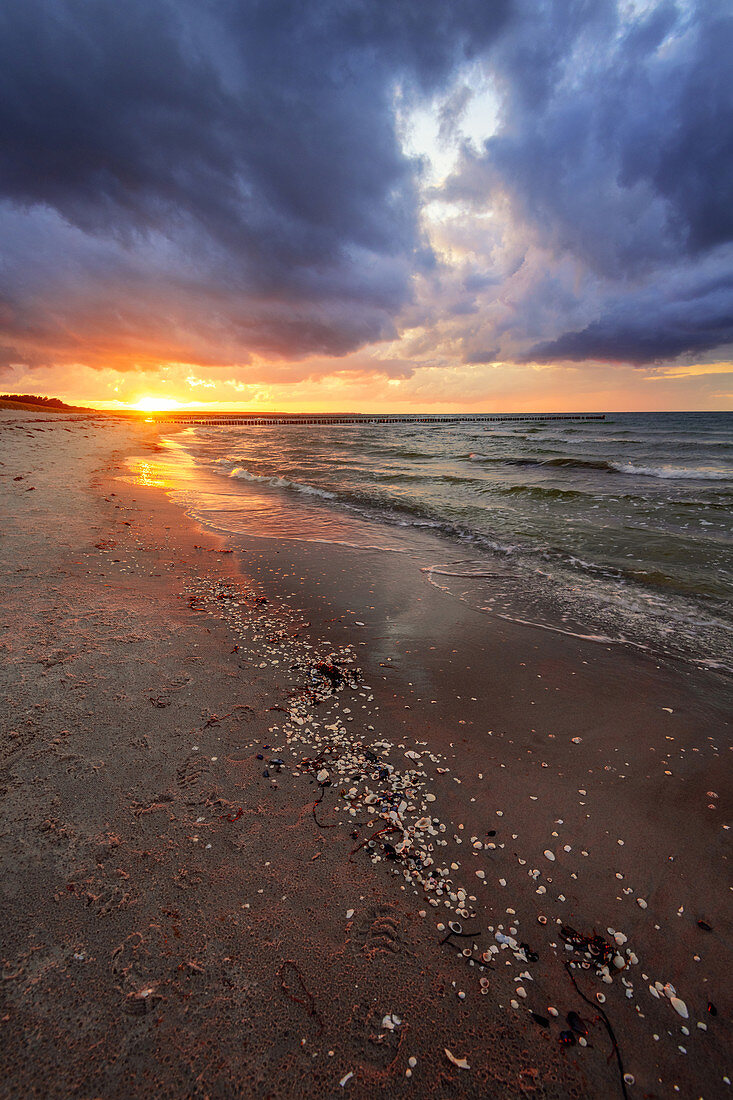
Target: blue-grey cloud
{"x":648,"y":326}
{"x":251,"y":145}
{"x":212,"y":180}
{"x":614,"y":149}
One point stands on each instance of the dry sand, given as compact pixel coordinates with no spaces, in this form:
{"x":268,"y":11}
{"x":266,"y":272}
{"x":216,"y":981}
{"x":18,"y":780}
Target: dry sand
{"x":179,"y":917}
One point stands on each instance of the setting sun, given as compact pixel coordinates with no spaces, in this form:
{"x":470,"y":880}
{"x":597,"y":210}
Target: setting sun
{"x":156,"y":404}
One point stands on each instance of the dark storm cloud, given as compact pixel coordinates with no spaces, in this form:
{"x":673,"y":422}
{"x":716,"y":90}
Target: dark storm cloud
{"x":206,"y":180}
{"x":615,"y":149}
{"x":694,"y":321}
{"x":252,"y":144}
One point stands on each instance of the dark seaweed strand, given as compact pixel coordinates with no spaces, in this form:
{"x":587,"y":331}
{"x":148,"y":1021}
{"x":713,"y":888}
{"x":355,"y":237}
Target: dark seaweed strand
{"x":380,"y":832}
{"x":474,"y":934}
{"x":321,"y":825}
{"x":597,"y":1008}
{"x":310,"y":1004}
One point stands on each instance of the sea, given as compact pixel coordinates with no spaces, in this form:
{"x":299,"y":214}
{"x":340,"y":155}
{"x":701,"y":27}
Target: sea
{"x":618,"y":530}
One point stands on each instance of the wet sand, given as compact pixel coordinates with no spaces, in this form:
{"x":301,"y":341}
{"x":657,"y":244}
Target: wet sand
{"x":181,"y":917}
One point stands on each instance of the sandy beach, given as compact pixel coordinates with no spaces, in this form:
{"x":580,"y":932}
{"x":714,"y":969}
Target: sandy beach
{"x":284,"y":819}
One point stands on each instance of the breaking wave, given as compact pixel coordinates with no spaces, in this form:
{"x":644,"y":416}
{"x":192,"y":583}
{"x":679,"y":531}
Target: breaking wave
{"x":241,"y":474}
{"x":683,"y":473}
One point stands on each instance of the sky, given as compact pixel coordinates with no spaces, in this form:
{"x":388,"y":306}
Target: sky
{"x":362,"y":205}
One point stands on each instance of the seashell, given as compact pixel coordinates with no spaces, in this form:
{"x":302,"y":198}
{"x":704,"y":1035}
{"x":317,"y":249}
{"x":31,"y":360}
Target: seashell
{"x":346,"y":1078}
{"x":549,"y":855}
{"x":455,"y":926}
{"x":601,"y":998}
{"x":322,"y":775}
{"x":460,"y":1063}
{"x":542,"y":920}
{"x":680,"y":1007}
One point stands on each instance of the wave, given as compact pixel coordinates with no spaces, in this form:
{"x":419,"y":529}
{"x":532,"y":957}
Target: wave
{"x":682,"y":473}
{"x":566,"y":462}
{"x":281,"y":483}
{"x":470,"y":574}
{"x":389,"y":476}
{"x":501,"y":460}
{"x":711,"y":663}
{"x":578,"y":463}
{"x":561,"y":462}
{"x":540,"y":492}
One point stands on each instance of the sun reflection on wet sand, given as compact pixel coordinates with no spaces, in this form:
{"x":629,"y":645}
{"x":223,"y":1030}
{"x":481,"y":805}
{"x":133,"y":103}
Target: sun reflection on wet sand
{"x":149,"y":473}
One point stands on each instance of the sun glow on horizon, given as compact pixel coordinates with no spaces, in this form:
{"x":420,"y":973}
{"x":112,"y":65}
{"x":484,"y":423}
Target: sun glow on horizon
{"x":156,"y":404}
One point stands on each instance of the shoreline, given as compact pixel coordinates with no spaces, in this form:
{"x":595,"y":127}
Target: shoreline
{"x":550,"y":548}
{"x":260,"y":955}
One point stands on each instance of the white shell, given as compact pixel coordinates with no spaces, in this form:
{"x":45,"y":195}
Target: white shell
{"x":461,"y":1063}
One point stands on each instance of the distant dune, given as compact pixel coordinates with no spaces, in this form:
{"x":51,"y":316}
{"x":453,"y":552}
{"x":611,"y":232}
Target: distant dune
{"x":29,"y":403}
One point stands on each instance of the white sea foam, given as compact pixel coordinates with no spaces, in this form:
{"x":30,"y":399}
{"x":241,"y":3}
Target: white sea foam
{"x":683,"y":473}
{"x":281,"y":483}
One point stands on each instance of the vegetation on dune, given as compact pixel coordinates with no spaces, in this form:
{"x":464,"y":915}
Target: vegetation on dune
{"x":34,"y":400}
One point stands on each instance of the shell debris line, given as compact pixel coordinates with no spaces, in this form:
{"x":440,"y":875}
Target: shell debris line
{"x":331,"y":733}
